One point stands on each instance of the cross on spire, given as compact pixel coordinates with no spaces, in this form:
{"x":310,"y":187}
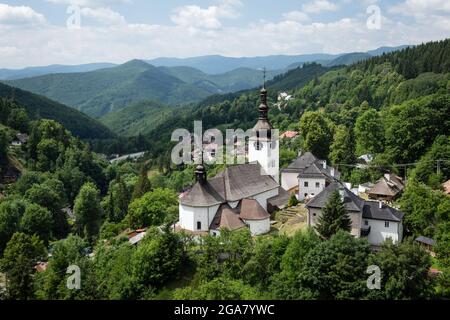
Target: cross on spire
{"x":264,"y":77}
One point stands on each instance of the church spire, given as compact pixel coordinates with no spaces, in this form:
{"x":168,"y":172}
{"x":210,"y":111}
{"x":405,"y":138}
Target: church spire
{"x":200,"y":172}
{"x":263,"y":108}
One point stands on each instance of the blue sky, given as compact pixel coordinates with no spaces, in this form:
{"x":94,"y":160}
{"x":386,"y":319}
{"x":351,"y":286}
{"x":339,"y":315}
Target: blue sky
{"x":35,"y":32}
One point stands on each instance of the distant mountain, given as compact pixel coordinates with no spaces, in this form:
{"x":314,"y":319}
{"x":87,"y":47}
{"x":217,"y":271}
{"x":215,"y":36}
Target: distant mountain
{"x":11,"y":74}
{"x":138,"y":118}
{"x":39,"y":107}
{"x":217,"y":64}
{"x":381,"y":50}
{"x":232,"y":81}
{"x":99,"y":92}
{"x":348,"y":59}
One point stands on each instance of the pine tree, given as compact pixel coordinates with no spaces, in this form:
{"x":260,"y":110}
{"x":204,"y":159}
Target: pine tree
{"x":293,"y":201}
{"x":143,"y":185}
{"x":334,"y":217}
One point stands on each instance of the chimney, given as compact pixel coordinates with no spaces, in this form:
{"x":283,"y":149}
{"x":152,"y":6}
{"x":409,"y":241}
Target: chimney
{"x":332,"y":171}
{"x":380,"y":204}
{"x":324,"y":163}
{"x":387,"y":176}
{"x":299,"y":153}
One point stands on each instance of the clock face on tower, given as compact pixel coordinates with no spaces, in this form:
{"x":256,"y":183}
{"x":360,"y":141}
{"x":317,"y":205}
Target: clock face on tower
{"x":258,"y":145}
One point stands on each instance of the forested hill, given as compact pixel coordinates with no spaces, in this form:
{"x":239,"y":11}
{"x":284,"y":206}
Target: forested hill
{"x":397,"y":79}
{"x":39,"y":107}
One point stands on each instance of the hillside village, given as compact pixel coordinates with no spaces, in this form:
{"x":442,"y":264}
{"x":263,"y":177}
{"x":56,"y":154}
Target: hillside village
{"x":359,"y":176}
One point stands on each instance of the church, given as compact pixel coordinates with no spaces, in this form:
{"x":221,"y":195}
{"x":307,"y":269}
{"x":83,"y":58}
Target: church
{"x":241,"y":196}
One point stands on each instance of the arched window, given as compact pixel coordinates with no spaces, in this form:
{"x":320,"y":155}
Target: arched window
{"x":199,"y":225}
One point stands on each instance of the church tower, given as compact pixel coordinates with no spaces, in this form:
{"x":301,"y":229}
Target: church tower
{"x":263,"y":144}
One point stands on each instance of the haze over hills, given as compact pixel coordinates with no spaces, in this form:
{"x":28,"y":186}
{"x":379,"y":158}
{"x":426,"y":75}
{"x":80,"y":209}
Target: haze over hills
{"x":12,"y":74}
{"x":39,"y":107}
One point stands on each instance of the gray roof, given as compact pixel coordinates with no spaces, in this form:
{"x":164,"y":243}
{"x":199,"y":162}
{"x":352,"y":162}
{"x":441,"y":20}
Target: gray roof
{"x":372,"y":210}
{"x":308,"y":166}
{"x":302,"y":162}
{"x":369,"y":209}
{"x":233,"y":184}
{"x":226,"y":218}
{"x":428,"y":241}
{"x":201,"y":196}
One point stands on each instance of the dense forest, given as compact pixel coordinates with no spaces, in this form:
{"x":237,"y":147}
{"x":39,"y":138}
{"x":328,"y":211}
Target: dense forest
{"x":69,"y":206}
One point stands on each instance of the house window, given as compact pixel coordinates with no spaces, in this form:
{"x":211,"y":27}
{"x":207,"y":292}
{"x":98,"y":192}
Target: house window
{"x":366,"y":223}
{"x":306,"y":184}
{"x":386,"y":224}
{"x":317,"y":184}
{"x":199,"y":225}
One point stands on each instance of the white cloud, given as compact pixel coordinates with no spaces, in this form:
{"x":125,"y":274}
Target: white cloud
{"x":89,"y":3}
{"x":296,"y":16}
{"x":421,"y":7}
{"x":103,"y":15}
{"x":19,"y":15}
{"x":319,"y":6}
{"x":49,"y":44}
{"x":210,"y":18}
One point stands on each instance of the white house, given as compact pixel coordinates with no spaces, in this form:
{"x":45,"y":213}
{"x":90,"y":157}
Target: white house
{"x":307,"y":176}
{"x":371,"y":219}
{"x":241,"y":195}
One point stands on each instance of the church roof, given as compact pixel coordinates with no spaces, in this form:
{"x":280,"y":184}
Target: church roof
{"x":242,"y":181}
{"x":201,"y":195}
{"x":232,"y":184}
{"x":252,"y":210}
{"x":226,"y":218}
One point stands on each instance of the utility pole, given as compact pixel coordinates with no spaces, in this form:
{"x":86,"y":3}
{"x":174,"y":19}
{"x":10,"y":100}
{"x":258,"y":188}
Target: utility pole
{"x":438,"y":169}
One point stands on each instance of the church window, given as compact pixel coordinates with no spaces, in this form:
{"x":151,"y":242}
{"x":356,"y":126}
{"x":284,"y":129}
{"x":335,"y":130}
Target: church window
{"x":306,"y":184}
{"x":199,"y":225}
{"x":258,"y":145}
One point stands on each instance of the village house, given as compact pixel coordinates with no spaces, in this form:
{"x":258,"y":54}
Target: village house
{"x":19,"y":140}
{"x":387,"y":188}
{"x":241,"y":195}
{"x":427,"y":243}
{"x":371,"y":219}
{"x":307,"y":176}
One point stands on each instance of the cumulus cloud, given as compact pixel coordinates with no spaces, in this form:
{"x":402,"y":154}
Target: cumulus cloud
{"x":19,"y":15}
{"x":319,"y":6}
{"x":208,"y":18}
{"x":296,"y":16}
{"x":89,"y":3}
{"x":292,"y":34}
{"x":103,"y":15}
{"x":421,"y":7}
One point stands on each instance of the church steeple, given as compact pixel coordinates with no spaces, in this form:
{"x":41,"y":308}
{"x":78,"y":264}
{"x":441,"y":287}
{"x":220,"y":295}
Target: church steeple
{"x":200,"y":172}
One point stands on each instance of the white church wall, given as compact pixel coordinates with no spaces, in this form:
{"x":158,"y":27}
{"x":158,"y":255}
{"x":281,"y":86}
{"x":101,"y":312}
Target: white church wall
{"x":258,"y":227}
{"x":189,"y":216}
{"x":267,"y":157}
{"x":289,"y":180}
{"x":262,"y":197}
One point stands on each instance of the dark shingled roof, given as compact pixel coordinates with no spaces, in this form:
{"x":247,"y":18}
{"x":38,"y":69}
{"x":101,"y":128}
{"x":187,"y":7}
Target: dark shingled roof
{"x":252,"y":210}
{"x":389,"y":185}
{"x":280,"y":200}
{"x":351,"y":201}
{"x":372,"y":210}
{"x":369,"y":209}
{"x":428,"y":241}
{"x":233,"y":184}
{"x":226,"y":218}
{"x":307,"y":165}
